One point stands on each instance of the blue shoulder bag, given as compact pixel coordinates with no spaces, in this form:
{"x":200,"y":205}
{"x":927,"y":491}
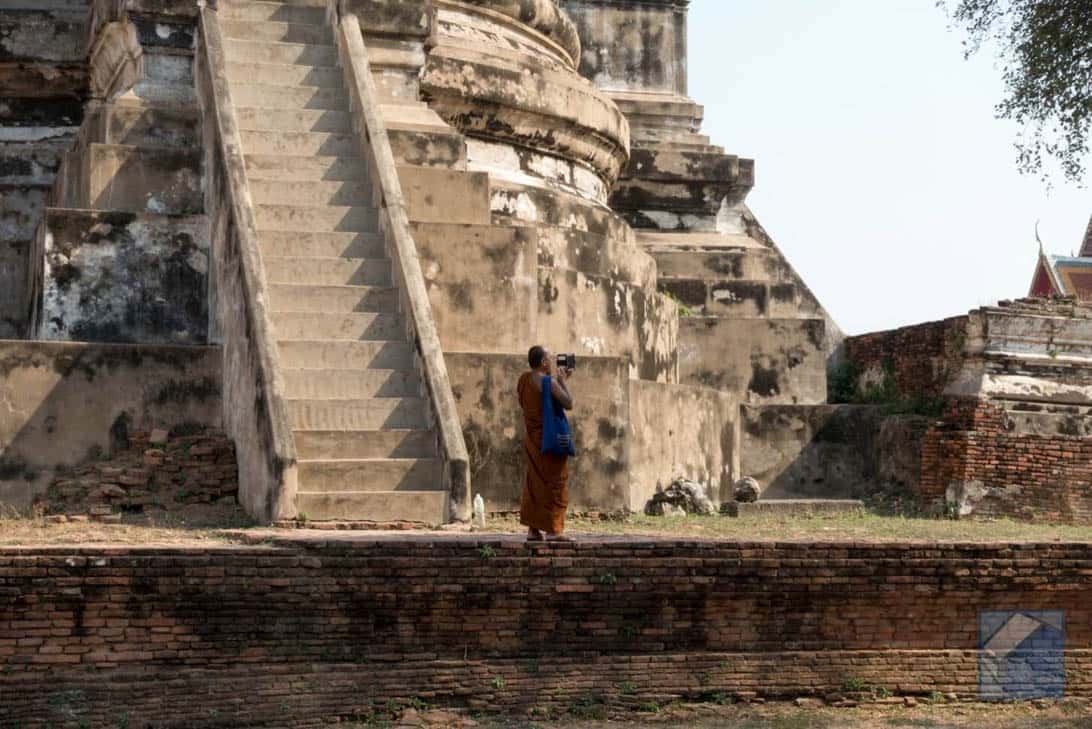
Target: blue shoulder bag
{"x":557,"y":436}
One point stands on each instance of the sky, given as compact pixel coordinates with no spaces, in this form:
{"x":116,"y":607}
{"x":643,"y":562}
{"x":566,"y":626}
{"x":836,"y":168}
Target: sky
{"x":881,"y":170}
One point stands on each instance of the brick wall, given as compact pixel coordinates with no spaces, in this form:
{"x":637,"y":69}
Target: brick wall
{"x":150,"y":473}
{"x":921,"y":358}
{"x":286,"y":636}
{"x":1009,"y":473}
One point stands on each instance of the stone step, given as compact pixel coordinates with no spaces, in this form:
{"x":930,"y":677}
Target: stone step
{"x":381,"y":413}
{"x":741,"y":298}
{"x":330,"y":218}
{"x":276,"y":32}
{"x":351,"y":384}
{"x":299,"y":144}
{"x":364,"y":444}
{"x":292,"y":120}
{"x":256,"y":51}
{"x":328,"y":271}
{"x":289,"y":192}
{"x":296,"y":12}
{"x":304,"y":297}
{"x":362,"y":327}
{"x":289,"y":97}
{"x":793,"y":507}
{"x":317,"y":354}
{"x":285,"y":74}
{"x":380,"y":474}
{"x":389,"y":53}
{"x":305,"y":169}
{"x":347,"y":245}
{"x":745,"y":264}
{"x":426,"y":507}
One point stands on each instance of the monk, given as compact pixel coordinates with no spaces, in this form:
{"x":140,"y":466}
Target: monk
{"x":546,"y":488}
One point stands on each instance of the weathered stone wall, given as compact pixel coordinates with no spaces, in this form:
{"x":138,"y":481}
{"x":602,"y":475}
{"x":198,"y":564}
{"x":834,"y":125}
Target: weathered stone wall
{"x":43,"y":80}
{"x":679,"y":430}
{"x":830,"y":451}
{"x":135,"y":269}
{"x":64,"y":405}
{"x":123,"y":277}
{"x":985,"y":461}
{"x":485,"y":390}
{"x":922,"y":359}
{"x":291,"y":636}
{"x":632,"y":436}
{"x":637,"y":48}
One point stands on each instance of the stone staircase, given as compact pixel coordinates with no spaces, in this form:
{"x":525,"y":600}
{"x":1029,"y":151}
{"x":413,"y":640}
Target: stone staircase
{"x":366,"y":450}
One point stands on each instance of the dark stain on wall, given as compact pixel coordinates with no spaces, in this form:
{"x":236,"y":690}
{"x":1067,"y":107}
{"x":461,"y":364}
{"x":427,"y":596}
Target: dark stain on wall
{"x":764,"y":381}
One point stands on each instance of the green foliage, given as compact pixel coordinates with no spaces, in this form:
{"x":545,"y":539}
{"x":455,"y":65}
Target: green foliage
{"x":842,"y":382}
{"x":1044,"y":48}
{"x":486,"y":551}
{"x":951,"y":511}
{"x":498,"y":683}
{"x":608,"y":579}
{"x":122,"y":721}
{"x":854,"y":684}
{"x":627,"y":688}
{"x":650,"y":707}
{"x":588,"y":707}
{"x":685,"y":312}
{"x":844,"y":387}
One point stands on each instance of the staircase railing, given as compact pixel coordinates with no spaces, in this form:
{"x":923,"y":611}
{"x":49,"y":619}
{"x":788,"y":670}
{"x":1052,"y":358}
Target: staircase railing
{"x":255,"y":411}
{"x":376,"y":149}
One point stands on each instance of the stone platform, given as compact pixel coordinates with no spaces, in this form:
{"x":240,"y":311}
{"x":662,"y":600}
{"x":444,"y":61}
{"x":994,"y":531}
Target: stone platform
{"x":325,"y":627}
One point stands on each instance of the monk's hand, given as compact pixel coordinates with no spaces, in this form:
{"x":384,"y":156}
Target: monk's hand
{"x":569,"y":372}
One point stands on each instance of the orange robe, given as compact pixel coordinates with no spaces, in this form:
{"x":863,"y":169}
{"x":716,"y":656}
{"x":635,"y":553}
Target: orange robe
{"x":546,"y":487}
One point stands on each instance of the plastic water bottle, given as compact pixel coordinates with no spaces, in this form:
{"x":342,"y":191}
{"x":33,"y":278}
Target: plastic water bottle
{"x":479,"y":511}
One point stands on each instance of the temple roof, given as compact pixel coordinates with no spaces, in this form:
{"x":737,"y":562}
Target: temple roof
{"x":1063,"y":276}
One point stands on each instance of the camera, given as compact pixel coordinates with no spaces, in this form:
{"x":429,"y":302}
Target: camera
{"x":566,"y":361}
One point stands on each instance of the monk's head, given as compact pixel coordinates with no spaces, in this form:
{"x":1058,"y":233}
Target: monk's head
{"x":539,"y":358}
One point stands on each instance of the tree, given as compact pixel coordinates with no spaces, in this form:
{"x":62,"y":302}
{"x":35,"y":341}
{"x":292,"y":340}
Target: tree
{"x":1045,"y":48}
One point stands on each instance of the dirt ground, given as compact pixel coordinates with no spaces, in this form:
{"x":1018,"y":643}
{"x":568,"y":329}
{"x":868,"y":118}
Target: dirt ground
{"x":217,"y":526}
{"x":1065,"y":714}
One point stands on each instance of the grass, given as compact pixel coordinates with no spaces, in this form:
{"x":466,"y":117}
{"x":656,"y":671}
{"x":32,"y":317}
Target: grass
{"x":865,"y":527}
{"x":230,"y":527}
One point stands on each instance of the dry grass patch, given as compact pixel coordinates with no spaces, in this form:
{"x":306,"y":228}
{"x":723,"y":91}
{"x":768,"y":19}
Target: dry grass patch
{"x":196,"y":527}
{"x":865,"y":527}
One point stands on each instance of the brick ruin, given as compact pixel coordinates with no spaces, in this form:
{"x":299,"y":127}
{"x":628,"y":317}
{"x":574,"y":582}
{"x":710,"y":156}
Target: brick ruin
{"x":288,"y":634}
{"x":1012,"y":439}
{"x":330,"y":229}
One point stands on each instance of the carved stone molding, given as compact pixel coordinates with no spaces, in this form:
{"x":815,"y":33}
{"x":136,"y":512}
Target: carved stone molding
{"x":503,"y":82}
